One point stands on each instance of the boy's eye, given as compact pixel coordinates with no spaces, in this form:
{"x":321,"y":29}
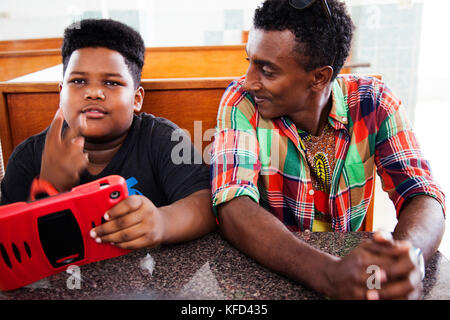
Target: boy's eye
{"x":112,"y":83}
{"x":78,"y":81}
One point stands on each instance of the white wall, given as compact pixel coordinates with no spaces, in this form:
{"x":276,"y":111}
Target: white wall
{"x":161,"y":22}
{"x":433,"y":108}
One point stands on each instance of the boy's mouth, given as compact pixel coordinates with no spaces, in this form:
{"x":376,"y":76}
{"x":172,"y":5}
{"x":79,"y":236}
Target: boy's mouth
{"x":94,"y":112}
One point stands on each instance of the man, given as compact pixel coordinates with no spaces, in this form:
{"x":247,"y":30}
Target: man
{"x":295,"y":149}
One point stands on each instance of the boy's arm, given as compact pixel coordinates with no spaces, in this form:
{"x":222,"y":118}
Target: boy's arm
{"x":136,"y":223}
{"x":189,"y":218}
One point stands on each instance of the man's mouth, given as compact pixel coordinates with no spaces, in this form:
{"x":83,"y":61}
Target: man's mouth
{"x":259,"y":100}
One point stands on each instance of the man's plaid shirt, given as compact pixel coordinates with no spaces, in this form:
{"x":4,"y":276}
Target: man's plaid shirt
{"x":264,"y":158}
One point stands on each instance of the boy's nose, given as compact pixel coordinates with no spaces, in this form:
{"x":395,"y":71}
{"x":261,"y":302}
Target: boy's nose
{"x":94,"y":94}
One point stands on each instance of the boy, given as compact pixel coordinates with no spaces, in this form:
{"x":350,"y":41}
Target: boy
{"x":101,"y":135}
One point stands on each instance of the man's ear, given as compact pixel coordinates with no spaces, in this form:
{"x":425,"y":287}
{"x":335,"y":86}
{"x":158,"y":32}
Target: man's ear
{"x":322,"y":77}
{"x":138,"y":99}
{"x":60,"y":85}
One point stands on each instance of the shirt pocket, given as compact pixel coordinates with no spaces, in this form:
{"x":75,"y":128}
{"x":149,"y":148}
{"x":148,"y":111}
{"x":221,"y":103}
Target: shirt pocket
{"x":359,"y":180}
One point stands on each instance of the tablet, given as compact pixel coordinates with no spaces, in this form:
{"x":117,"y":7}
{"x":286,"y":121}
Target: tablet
{"x":46,"y":236}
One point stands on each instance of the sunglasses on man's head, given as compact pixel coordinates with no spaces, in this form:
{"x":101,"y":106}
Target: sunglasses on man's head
{"x":304,"y":4}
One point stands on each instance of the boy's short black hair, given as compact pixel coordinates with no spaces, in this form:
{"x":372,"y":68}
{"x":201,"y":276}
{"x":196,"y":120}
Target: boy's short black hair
{"x":106,"y":33}
{"x":317,"y":39}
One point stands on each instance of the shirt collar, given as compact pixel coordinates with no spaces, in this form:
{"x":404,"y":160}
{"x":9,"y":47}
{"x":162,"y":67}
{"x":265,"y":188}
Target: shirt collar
{"x":338,"y":117}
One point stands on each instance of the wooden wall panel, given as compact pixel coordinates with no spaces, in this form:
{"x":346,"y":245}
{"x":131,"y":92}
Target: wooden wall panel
{"x":160,"y":63}
{"x":183,"y":62}
{"x":30,"y":44}
{"x":21,"y":57}
{"x":30,"y":113}
{"x":20,"y":63}
{"x":27,"y":109}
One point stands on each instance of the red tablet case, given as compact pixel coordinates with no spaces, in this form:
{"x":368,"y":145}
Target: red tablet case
{"x":44,"y":237}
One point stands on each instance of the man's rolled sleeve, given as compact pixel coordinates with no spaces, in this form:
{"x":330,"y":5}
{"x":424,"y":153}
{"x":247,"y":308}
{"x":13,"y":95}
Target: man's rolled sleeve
{"x":404,"y":171}
{"x":235,"y":163}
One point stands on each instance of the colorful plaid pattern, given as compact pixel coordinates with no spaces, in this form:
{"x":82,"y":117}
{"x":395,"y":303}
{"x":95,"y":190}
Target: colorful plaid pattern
{"x":264,"y":160}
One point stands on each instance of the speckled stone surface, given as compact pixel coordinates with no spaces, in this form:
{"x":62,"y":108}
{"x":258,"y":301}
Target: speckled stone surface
{"x":207,"y":268}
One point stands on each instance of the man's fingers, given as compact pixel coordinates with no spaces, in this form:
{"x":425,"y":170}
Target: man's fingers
{"x":402,"y":268}
{"x":383,"y":237}
{"x":383,"y":246}
{"x":405,"y":288}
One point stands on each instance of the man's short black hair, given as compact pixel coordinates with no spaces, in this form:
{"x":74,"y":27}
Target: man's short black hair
{"x":106,"y":33}
{"x":317,"y":39}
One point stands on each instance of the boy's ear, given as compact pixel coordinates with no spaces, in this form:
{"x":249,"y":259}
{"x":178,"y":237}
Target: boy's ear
{"x":138,"y":99}
{"x":60,"y":86}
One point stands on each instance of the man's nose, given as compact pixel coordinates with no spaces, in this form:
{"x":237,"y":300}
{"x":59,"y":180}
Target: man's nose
{"x":94,"y":93}
{"x":252,"y":82}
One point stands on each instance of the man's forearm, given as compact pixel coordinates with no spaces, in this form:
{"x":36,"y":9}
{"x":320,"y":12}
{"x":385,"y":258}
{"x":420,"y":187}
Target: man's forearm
{"x":421,"y":221}
{"x":260,"y":235}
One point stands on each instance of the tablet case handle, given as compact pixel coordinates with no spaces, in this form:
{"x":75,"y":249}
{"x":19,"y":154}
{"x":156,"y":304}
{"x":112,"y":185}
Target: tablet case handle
{"x":41,"y":188}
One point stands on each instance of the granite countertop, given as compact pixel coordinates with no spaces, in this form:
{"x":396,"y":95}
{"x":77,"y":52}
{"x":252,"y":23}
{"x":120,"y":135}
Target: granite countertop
{"x":206,"y":268}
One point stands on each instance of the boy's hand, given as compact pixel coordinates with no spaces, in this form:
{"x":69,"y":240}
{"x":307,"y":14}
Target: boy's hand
{"x":133,"y":223}
{"x":63,"y":158}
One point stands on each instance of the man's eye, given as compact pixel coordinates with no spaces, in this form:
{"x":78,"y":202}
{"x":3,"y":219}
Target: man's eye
{"x":267,"y":73}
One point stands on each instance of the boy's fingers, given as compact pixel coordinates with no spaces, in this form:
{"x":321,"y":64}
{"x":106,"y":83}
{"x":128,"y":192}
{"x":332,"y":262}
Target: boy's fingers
{"x":115,"y":225}
{"x":136,"y":244}
{"x":71,"y":134}
{"x":74,"y":132}
{"x":54,"y":131}
{"x":130,"y":204}
{"x":122,"y":236}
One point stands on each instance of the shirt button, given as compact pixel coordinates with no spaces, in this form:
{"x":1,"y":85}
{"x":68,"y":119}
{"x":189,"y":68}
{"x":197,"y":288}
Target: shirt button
{"x":311,"y":192}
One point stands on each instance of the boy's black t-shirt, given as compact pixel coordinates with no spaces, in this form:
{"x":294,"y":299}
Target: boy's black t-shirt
{"x":148,"y":160}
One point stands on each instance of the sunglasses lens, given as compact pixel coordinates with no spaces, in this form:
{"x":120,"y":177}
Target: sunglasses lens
{"x":301,"y":4}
